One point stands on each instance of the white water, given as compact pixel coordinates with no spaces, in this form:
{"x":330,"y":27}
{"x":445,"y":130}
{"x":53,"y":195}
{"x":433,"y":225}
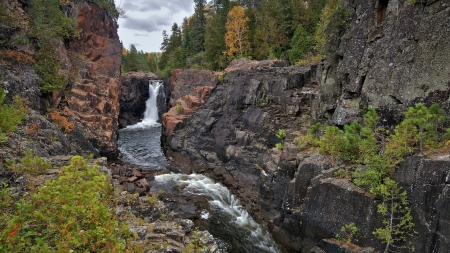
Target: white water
{"x":151,"y":107}
{"x":226,"y":209}
{"x":140,"y":144}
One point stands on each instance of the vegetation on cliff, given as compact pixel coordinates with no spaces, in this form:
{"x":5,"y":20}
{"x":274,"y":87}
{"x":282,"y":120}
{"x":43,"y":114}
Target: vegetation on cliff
{"x":379,"y":151}
{"x":11,"y":115}
{"x":49,"y":26}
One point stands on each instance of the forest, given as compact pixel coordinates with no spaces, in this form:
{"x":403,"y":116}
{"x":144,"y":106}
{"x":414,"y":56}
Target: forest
{"x":297,"y":31}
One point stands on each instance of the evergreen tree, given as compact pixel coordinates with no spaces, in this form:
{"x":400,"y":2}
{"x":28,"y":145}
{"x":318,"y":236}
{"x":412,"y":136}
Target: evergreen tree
{"x":215,"y":35}
{"x":132,"y":64}
{"x":171,"y":56}
{"x":186,"y":42}
{"x":199,"y":26}
{"x":300,"y":44}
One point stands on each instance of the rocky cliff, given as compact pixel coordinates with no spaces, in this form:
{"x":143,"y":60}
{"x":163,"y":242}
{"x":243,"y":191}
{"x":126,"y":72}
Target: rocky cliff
{"x":90,"y":101}
{"x":93,"y":98}
{"x":391,"y":56}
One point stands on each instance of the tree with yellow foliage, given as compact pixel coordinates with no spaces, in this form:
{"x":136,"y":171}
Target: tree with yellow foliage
{"x":236,"y":37}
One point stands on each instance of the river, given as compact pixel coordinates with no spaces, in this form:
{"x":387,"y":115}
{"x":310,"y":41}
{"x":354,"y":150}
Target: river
{"x":140,"y":145}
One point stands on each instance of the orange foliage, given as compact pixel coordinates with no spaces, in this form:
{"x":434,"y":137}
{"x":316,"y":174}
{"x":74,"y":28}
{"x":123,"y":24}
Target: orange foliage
{"x":61,"y":122}
{"x":20,"y":57}
{"x":34,"y":128}
{"x":236,"y":37}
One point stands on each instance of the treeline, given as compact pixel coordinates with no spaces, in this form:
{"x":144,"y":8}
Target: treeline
{"x":133,"y":60}
{"x":223,"y":30}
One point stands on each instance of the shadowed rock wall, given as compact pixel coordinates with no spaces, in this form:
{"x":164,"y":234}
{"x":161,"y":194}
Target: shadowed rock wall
{"x":390,"y":61}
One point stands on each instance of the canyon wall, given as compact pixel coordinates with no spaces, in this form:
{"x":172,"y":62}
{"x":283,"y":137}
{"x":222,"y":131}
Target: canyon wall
{"x":90,"y":101}
{"x":391,"y":56}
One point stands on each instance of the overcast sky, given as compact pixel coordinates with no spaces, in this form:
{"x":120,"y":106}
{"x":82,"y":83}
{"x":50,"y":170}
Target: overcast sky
{"x":146,"y":19}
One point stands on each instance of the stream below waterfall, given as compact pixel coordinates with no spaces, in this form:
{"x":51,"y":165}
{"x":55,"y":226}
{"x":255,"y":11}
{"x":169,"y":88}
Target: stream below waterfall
{"x":140,"y":145}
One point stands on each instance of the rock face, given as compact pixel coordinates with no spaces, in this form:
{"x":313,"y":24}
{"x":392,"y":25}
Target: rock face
{"x":39,"y":132}
{"x":427,"y":183}
{"x":94,"y":93}
{"x":389,"y":63}
{"x":231,"y":137}
{"x":189,"y":89}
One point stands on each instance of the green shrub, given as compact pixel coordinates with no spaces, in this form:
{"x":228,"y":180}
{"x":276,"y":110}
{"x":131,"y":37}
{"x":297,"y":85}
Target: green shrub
{"x":398,"y":222}
{"x":349,"y":231}
{"x":333,"y":21}
{"x":179,"y":108}
{"x":196,"y":245}
{"x":5,"y":14}
{"x":30,"y":164}
{"x":71,"y":213}
{"x":311,"y":138}
{"x":10,"y":115}
{"x":50,"y":26}
{"x":281,"y":134}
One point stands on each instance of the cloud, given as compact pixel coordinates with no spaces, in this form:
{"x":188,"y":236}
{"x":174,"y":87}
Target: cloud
{"x":174,"y":6}
{"x":150,"y":24}
{"x":140,"y":35}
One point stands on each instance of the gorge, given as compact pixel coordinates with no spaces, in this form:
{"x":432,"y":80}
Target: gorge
{"x":214,"y":150}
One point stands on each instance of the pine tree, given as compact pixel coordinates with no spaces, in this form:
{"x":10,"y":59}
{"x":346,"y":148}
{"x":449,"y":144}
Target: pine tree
{"x":215,"y":35}
{"x":198,"y":26}
{"x":132,"y":64}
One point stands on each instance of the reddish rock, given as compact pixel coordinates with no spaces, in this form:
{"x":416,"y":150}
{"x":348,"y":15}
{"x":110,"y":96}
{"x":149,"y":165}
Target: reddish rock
{"x":95,"y":59}
{"x":132,"y":179}
{"x":190,"y":88}
{"x":137,"y":173}
{"x":183,"y":81}
{"x":144,"y":184}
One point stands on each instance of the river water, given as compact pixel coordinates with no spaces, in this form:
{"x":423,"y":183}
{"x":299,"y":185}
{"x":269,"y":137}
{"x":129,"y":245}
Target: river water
{"x":140,"y":145}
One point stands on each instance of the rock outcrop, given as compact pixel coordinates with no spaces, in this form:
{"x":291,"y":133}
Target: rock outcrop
{"x":390,"y":64}
{"x":189,"y":89}
{"x":93,"y":98}
{"x":92,"y":62}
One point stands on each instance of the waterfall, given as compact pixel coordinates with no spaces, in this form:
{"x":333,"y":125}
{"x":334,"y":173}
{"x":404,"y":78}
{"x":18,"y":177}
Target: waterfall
{"x":140,"y":144}
{"x":235,"y":224}
{"x":151,"y":106}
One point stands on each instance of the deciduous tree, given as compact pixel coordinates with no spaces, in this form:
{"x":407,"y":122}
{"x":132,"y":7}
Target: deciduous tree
{"x":236,"y":37}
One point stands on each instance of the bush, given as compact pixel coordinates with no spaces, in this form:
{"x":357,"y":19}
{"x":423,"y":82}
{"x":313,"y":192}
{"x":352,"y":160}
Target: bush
{"x":10,"y":115}
{"x":62,"y":122}
{"x":110,"y":8}
{"x":333,"y":21}
{"x":349,"y":231}
{"x":179,"y":108}
{"x":281,"y":134}
{"x":71,"y":213}
{"x":50,"y":26}
{"x":30,"y":164}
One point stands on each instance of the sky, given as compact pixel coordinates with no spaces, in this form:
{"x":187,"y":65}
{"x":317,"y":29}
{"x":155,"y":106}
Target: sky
{"x":146,"y":19}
